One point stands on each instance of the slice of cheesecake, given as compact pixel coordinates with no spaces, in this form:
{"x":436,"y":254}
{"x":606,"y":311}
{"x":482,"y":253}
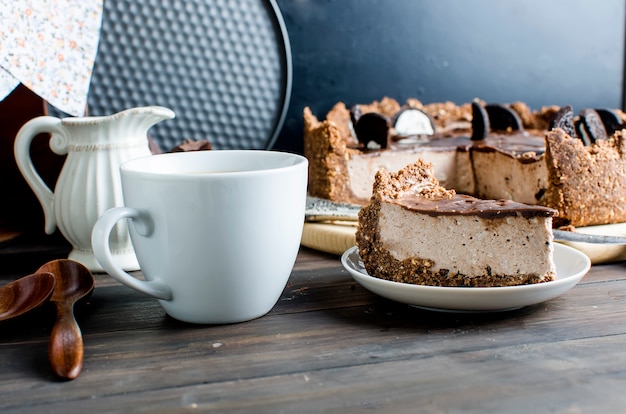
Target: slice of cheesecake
{"x":415,"y":231}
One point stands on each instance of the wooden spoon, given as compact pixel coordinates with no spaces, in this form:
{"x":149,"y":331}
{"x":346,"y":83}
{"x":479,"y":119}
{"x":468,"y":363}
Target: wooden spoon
{"x":74,"y":282}
{"x":25,"y":294}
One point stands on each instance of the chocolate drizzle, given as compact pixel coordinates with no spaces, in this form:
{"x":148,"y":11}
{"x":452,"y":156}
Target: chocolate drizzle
{"x":526,"y":146}
{"x":466,"y":205}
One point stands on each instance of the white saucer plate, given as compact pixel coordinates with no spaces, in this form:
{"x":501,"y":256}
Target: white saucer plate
{"x":571,"y":266}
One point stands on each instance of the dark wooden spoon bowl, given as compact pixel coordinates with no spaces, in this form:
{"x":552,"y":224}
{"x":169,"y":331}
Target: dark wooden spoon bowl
{"x":73,"y":282}
{"x":25,"y":294}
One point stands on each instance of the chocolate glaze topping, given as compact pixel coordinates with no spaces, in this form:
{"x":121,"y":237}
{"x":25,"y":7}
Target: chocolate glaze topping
{"x":525,"y":145}
{"x":466,"y":205}
{"x":531,"y":144}
{"x":494,"y":128}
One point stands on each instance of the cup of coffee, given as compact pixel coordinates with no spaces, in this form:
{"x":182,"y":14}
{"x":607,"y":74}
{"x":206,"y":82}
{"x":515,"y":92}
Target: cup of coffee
{"x":216,"y":233}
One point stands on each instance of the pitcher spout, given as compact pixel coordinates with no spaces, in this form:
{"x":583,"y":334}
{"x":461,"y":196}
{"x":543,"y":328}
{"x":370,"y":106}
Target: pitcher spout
{"x":144,"y":117}
{"x":154,"y":113}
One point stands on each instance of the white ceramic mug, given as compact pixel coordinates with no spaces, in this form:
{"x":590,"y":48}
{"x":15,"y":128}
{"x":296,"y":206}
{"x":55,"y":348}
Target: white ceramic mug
{"x":216,"y":233}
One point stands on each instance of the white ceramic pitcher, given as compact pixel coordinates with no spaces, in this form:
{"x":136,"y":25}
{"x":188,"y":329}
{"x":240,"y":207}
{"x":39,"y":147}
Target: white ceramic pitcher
{"x":89,"y":183}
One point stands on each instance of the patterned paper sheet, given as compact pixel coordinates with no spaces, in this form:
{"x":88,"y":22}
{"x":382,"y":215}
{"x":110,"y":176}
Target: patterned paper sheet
{"x":50,"y":47}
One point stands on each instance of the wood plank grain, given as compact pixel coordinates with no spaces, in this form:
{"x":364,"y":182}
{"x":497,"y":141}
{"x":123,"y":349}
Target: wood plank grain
{"x":330,"y":344}
{"x":175,"y":355}
{"x":569,"y":376}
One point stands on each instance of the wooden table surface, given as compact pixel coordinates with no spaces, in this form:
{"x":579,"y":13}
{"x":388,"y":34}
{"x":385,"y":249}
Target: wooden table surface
{"x":328,"y":345}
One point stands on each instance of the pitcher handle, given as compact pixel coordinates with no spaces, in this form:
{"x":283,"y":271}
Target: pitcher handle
{"x":100,"y":244}
{"x":21,"y":149}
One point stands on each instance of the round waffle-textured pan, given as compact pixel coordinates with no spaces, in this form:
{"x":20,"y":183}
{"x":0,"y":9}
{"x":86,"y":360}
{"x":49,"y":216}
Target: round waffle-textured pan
{"x":223,"y":66}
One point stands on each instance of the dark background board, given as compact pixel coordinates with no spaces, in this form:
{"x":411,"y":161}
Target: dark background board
{"x":541,"y":52}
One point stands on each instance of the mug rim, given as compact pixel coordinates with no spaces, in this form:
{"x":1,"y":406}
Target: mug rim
{"x":141,"y":165}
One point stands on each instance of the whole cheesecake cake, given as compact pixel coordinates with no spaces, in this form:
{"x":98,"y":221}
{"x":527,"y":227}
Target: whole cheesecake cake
{"x":575,"y":164}
{"x":413,"y":230}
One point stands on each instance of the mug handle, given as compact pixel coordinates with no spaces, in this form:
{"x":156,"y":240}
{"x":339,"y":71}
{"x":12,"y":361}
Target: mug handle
{"x":144,"y":226}
{"x":21,"y":149}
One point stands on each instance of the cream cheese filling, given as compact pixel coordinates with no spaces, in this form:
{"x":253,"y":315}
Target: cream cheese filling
{"x":469,"y":245}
